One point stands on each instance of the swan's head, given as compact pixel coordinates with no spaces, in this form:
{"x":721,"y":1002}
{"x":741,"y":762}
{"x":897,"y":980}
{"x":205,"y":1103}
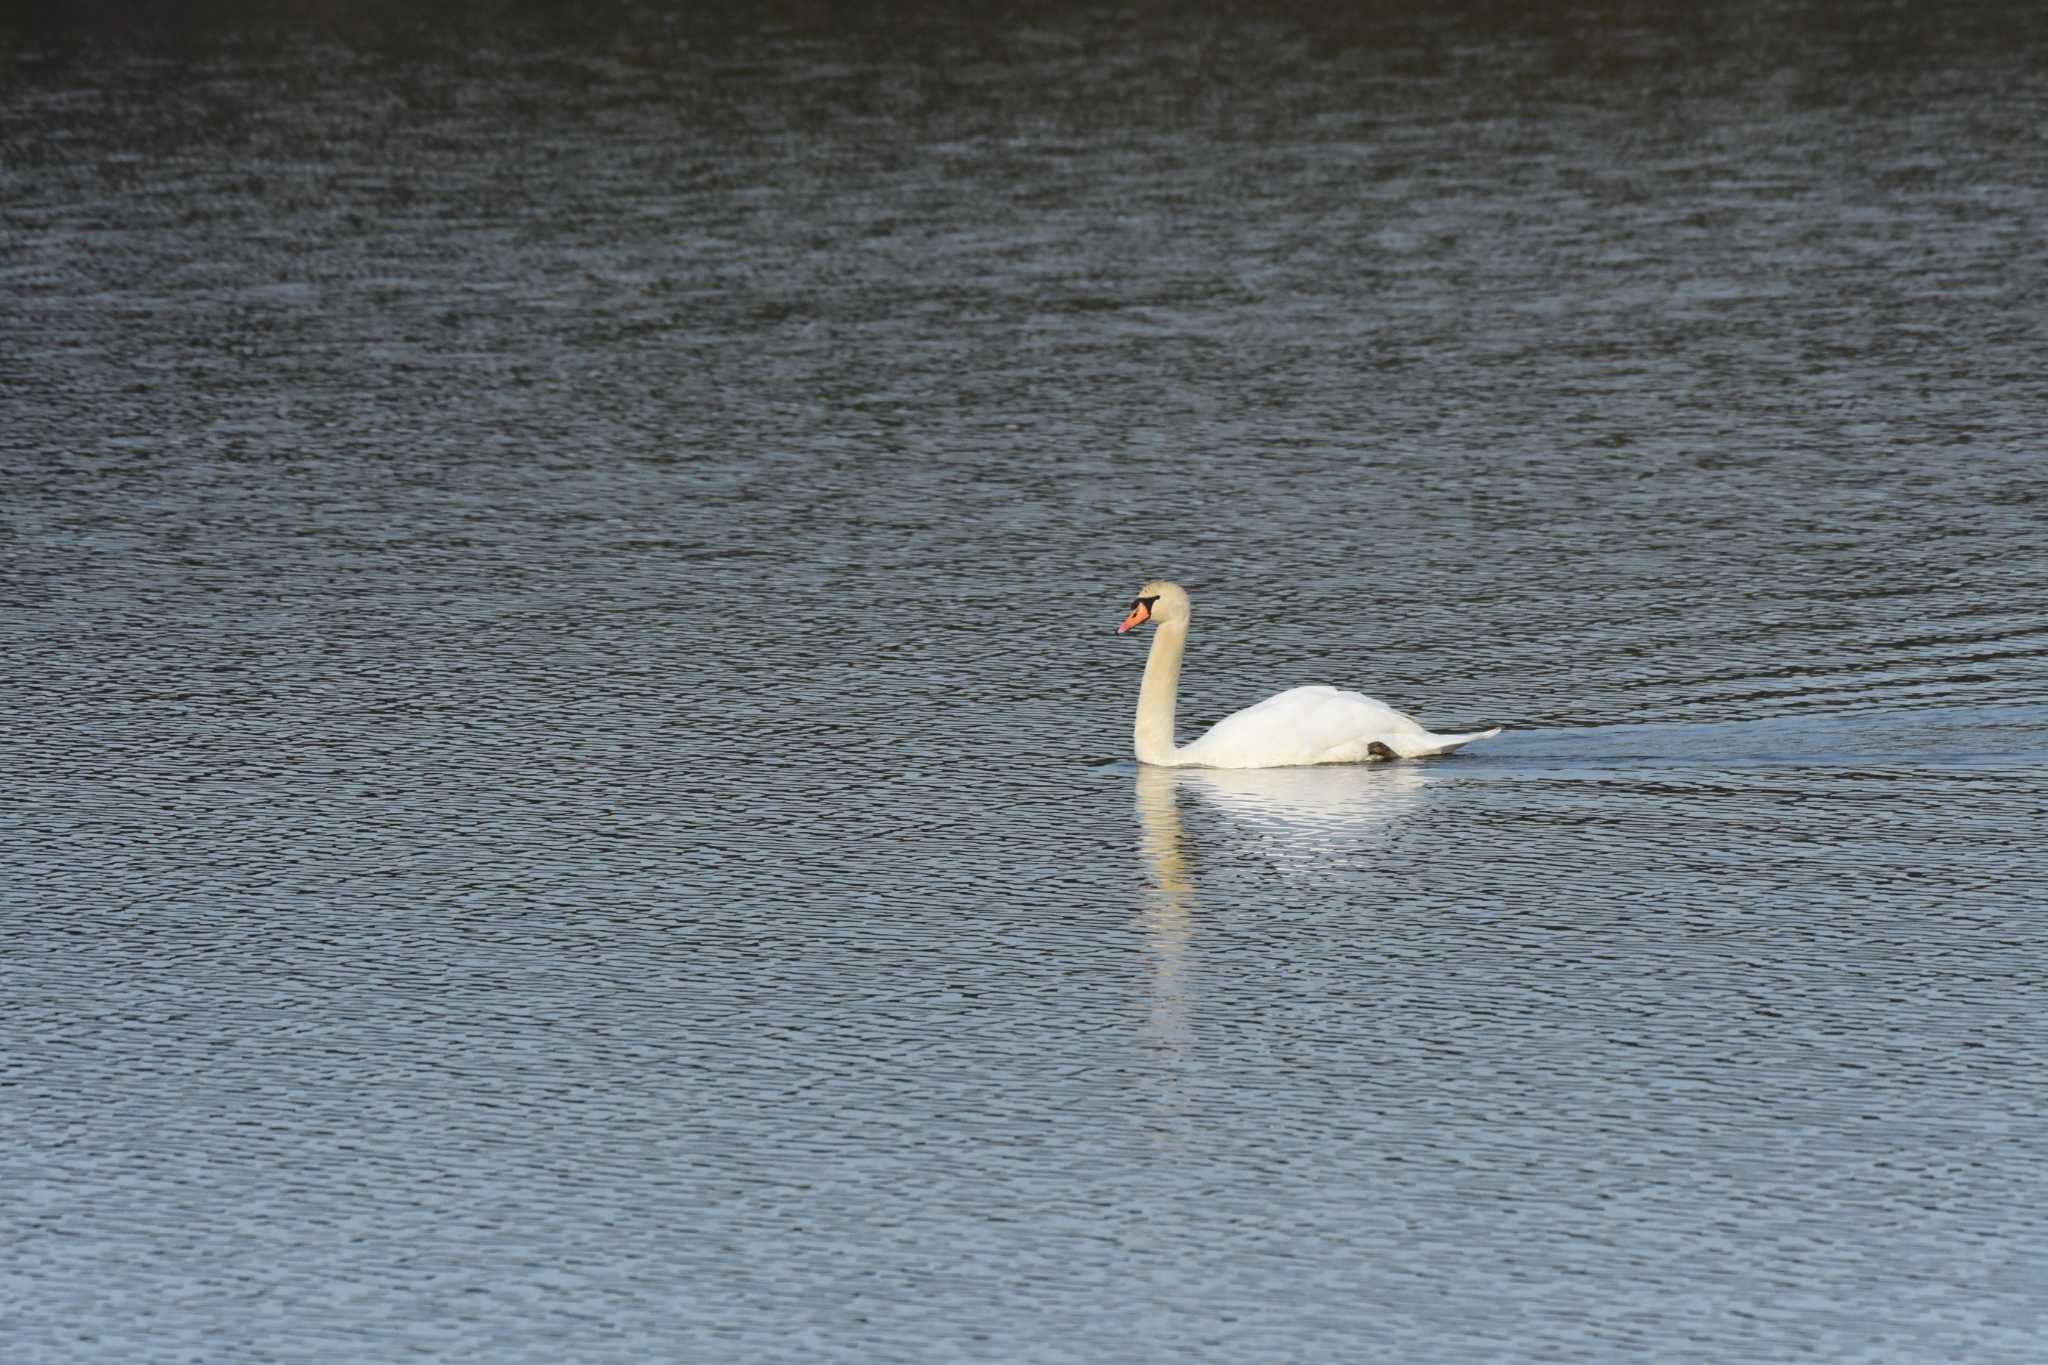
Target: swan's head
{"x":1159,"y":601}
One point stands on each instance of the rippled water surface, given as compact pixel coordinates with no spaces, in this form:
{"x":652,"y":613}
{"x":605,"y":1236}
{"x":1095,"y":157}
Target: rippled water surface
{"x":568,"y":782}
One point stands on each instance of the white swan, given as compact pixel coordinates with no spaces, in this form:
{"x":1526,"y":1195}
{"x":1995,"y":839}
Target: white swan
{"x":1301,"y":725}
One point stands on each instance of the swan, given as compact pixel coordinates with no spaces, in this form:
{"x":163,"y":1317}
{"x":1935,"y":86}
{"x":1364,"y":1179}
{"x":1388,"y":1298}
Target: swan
{"x":1299,"y":726}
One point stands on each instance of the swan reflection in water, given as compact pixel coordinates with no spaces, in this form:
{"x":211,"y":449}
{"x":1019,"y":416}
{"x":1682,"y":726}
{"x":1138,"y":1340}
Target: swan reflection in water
{"x":1290,"y":819}
{"x":1278,"y":821}
{"x":1169,"y":900}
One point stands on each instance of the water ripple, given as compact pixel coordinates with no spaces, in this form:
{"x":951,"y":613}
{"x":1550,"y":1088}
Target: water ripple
{"x":570,"y":791}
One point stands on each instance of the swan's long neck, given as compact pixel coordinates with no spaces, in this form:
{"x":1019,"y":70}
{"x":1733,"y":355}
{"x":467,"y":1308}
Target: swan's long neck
{"x":1152,"y":736}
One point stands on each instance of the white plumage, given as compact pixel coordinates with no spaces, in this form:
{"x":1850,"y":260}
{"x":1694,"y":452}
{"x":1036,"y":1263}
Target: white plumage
{"x":1302,"y":725}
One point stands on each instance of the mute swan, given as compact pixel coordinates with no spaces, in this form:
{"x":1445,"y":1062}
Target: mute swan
{"x":1301,"y":725}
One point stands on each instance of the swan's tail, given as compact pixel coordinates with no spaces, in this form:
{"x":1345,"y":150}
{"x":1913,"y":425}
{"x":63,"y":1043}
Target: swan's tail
{"x":1428,"y":745}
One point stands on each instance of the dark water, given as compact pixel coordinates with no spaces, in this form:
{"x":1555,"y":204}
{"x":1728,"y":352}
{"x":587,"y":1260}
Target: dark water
{"x":568,"y":788}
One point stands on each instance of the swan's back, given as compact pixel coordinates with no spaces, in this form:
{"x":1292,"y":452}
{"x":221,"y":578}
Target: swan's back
{"x":1316,"y":725}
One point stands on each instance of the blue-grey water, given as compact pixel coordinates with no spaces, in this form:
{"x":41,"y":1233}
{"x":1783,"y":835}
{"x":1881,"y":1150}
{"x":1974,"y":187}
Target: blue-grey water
{"x":567,"y":781}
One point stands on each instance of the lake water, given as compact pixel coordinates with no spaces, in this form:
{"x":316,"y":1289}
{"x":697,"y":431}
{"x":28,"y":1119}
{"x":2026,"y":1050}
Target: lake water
{"x":568,"y":774}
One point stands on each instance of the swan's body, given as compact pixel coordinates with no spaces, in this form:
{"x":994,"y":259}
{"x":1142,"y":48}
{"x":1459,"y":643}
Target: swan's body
{"x":1300,"y":726}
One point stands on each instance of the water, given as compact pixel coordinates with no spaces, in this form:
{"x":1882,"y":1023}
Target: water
{"x":569,"y":786}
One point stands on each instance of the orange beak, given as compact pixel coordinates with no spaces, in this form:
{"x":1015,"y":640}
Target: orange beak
{"x":1140,"y":614}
